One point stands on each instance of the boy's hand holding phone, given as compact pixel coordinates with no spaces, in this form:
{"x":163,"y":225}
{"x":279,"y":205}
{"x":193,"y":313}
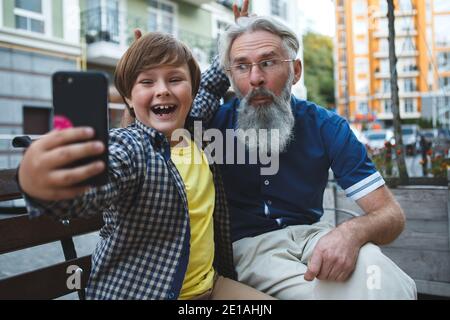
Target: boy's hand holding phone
{"x":44,"y":173}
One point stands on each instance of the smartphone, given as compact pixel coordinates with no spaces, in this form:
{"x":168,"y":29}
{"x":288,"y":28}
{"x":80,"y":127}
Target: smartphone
{"x":81,"y":99}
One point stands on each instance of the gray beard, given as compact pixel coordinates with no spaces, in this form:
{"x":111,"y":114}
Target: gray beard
{"x":265,"y":127}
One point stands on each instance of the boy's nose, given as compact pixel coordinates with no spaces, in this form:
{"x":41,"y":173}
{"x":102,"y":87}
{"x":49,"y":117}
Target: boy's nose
{"x":162,"y":90}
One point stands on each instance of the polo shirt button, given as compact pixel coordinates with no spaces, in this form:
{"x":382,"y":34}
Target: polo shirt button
{"x":171,"y":295}
{"x":266,"y":182}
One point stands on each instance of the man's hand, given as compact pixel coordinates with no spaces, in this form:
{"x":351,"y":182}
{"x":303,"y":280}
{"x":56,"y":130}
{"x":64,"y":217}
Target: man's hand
{"x":243,"y":12}
{"x":43,"y":174}
{"x":334,"y":257}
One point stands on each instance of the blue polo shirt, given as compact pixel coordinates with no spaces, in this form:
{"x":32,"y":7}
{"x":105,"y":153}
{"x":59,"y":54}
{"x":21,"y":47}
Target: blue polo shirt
{"x":294,"y":195}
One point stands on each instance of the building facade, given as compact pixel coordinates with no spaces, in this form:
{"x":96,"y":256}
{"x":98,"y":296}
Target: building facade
{"x":362,"y":71}
{"x":37,"y":37}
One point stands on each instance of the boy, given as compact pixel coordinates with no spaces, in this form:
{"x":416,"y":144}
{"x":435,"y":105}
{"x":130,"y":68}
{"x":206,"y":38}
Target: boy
{"x":159,"y":240}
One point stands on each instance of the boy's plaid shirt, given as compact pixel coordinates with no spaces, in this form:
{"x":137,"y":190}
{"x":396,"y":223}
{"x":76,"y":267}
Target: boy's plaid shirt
{"x":144,"y":246}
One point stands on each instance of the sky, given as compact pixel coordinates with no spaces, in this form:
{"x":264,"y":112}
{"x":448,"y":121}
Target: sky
{"x":319,"y":15}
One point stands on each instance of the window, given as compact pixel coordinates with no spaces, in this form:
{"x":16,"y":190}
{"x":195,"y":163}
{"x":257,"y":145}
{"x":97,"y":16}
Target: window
{"x":279,"y":8}
{"x":409,"y":85}
{"x":441,"y":6}
{"x":384,"y":45}
{"x":360,"y":27}
{"x":363,"y":107}
{"x":360,"y":8}
{"x":387,"y":106}
{"x":407,"y":45}
{"x":444,"y":83}
{"x":361,"y":47}
{"x":383,"y":7}
{"x":384,"y":66}
{"x":405,"y":5}
{"x":386,"y":86}
{"x":102,"y":19}
{"x":383,"y":26}
{"x":362,"y":86}
{"x":410,"y":105}
{"x":407,"y":65}
{"x":361,"y":66}
{"x":161,"y":16}
{"x":29,"y":15}
{"x":441,"y":27}
{"x":404,"y":24}
{"x":443,"y":61}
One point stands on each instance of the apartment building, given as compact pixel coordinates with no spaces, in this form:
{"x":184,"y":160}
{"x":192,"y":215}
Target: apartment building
{"x":37,"y":37}
{"x":362,"y":69}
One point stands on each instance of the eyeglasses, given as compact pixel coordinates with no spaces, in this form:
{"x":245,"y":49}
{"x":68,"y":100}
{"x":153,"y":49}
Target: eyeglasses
{"x":244,"y":69}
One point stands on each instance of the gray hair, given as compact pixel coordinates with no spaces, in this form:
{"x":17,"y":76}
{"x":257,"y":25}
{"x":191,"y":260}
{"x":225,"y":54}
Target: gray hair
{"x":251,"y":24}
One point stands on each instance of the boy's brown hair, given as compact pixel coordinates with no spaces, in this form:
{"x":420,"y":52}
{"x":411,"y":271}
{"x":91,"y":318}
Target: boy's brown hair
{"x":152,"y":50}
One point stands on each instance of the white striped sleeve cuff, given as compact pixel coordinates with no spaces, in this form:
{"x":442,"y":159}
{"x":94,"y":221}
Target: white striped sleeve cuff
{"x":365,"y":186}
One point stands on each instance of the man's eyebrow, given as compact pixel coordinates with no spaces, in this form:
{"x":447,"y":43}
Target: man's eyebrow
{"x":269,"y":54}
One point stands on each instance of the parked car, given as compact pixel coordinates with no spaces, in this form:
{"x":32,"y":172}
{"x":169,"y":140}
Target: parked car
{"x":411,"y":138}
{"x":439,"y":139}
{"x":376,"y":139}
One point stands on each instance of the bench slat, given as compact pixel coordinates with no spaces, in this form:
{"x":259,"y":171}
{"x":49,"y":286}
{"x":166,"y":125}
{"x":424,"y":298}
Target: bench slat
{"x":46,"y":283}
{"x":8,"y":186}
{"x":22,"y":232}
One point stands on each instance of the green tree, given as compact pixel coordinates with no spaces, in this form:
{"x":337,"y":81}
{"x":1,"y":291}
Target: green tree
{"x":319,"y":68}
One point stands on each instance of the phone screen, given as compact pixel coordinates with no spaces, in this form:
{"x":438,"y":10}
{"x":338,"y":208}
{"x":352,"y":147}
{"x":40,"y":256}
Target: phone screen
{"x":81,"y":99}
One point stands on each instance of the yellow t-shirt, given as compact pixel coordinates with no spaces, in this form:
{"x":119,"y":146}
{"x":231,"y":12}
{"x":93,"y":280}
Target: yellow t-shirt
{"x":193,"y":167}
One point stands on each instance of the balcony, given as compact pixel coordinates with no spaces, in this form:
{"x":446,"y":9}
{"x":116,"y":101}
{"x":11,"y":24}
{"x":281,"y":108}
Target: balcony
{"x":399,"y":33}
{"x":108,"y":33}
{"x":197,"y":2}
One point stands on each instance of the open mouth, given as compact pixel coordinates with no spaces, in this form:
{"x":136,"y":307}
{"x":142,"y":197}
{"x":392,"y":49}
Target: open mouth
{"x":161,"y":110}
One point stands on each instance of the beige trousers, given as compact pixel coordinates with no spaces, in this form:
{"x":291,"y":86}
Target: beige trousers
{"x":276,"y":262}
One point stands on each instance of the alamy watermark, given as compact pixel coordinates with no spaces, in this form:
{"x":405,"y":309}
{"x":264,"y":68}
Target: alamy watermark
{"x":260,"y":146}
{"x":374,"y":277}
{"x":73,"y":282}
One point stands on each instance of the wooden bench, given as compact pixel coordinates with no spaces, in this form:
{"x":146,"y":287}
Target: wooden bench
{"x":20,"y":232}
{"x":423,"y":249}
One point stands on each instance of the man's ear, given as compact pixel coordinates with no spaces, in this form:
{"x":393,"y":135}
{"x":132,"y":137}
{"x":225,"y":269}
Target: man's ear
{"x":297,"y":70}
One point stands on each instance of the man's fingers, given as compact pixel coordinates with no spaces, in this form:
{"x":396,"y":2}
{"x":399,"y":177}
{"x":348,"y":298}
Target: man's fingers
{"x":137,"y":34}
{"x":244,"y":9}
{"x":314,"y":267}
{"x":65,"y":155}
{"x":69,"y":177}
{"x":236,"y":12}
{"x":58,"y":138}
{"x":325,"y":270}
{"x":240,"y":13}
{"x":342,"y":277}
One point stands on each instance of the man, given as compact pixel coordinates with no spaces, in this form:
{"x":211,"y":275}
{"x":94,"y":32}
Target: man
{"x":280,"y":246}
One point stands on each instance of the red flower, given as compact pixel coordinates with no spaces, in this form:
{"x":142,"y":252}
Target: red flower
{"x":399,"y":152}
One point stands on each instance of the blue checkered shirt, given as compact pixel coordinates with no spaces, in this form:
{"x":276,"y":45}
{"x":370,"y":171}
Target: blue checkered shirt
{"x":144,"y":248}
